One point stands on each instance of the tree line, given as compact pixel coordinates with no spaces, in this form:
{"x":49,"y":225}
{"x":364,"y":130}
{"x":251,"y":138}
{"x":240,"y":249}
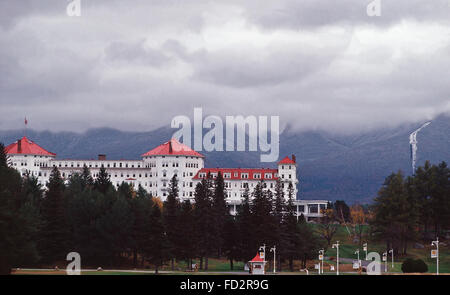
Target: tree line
{"x":126,"y":227}
{"x":406,"y":210}
{"x":413,"y":208}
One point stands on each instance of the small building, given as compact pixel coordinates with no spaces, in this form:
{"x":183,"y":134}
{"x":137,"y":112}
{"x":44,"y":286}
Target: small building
{"x":257,"y":264}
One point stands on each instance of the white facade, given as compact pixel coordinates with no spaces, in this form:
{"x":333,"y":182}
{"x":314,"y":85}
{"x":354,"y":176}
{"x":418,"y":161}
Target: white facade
{"x":154,"y":171}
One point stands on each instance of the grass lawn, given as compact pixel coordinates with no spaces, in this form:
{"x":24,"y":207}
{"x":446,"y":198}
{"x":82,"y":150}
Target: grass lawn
{"x":347,"y":250}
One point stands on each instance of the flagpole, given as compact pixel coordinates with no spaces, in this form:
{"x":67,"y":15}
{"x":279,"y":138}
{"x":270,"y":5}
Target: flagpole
{"x":26,"y":123}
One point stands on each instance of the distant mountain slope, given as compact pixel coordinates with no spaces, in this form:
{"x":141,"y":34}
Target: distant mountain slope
{"x":331,"y":167}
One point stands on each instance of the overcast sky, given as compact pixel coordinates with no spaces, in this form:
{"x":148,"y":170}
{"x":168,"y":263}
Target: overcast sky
{"x":133,"y":65}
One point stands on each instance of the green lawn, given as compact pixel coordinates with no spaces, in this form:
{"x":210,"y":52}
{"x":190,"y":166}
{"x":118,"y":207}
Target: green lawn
{"x":347,"y":249}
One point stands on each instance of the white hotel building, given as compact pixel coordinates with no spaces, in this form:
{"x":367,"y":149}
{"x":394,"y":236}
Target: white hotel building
{"x":156,"y":169}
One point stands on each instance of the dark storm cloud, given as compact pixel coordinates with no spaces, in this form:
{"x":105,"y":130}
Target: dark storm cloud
{"x":134,"y":65}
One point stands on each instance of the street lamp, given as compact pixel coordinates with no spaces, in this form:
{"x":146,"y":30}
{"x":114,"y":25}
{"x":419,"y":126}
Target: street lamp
{"x":321,"y":254}
{"x":392,"y":256}
{"x":436,"y":243}
{"x":263,"y":249}
{"x":385,"y":261}
{"x":274,"y":249}
{"x":365,"y":249}
{"x":359,"y":261}
{"x":337,"y":256}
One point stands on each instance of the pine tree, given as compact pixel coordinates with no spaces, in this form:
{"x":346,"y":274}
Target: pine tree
{"x":156,"y":248}
{"x":18,"y":220}
{"x":395,"y":213}
{"x":220,"y":213}
{"x":289,"y":228}
{"x":115,"y":230}
{"x":103,"y":182}
{"x":3,"y":157}
{"x":87,"y":180}
{"x":245,"y":238}
{"x":230,"y":245}
{"x":262,"y":218}
{"x":170,"y":216}
{"x":203,"y":220}
{"x":186,"y":241}
{"x":54,"y":233}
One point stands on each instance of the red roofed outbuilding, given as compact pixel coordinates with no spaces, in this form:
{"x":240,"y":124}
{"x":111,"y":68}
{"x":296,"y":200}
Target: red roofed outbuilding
{"x":257,"y":265}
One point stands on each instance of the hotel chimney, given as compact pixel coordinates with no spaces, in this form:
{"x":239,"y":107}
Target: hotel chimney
{"x":102,"y":157}
{"x":293,"y":158}
{"x":19,"y":146}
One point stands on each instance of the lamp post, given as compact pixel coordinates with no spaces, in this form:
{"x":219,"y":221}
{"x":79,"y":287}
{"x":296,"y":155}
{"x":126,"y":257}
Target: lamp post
{"x":321,"y":254}
{"x":274,"y":249}
{"x":392,"y":256}
{"x":385,"y":261}
{"x":359,"y":261}
{"x":337,"y":256}
{"x":436,"y":243}
{"x":263,"y":249}
{"x":365,"y":249}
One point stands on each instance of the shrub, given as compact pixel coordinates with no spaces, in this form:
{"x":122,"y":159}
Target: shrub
{"x":411,"y":265}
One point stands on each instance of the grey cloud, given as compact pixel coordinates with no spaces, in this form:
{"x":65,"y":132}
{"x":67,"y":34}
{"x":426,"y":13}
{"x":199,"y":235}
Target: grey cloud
{"x":296,"y":14}
{"x":136,"y":52}
{"x":135,"y":65}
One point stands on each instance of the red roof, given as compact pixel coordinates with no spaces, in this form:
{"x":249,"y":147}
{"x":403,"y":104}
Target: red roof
{"x":25,"y":146}
{"x":257,"y":258}
{"x":286,"y":160}
{"x":172,"y":147}
{"x":250,"y":171}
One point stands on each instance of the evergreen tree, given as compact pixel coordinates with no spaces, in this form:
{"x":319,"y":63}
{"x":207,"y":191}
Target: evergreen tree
{"x":263,"y":224}
{"x":230,"y":245}
{"x":395,"y":213}
{"x":187,"y":244}
{"x":18,"y":220}
{"x":245,"y":238}
{"x":86,"y":177}
{"x":291,"y":233}
{"x":170,"y":217}
{"x":54,"y":233}
{"x":115,"y":230}
{"x":103,"y":182}
{"x":203,"y":220}
{"x":220,"y":213}
{"x":156,"y":248}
